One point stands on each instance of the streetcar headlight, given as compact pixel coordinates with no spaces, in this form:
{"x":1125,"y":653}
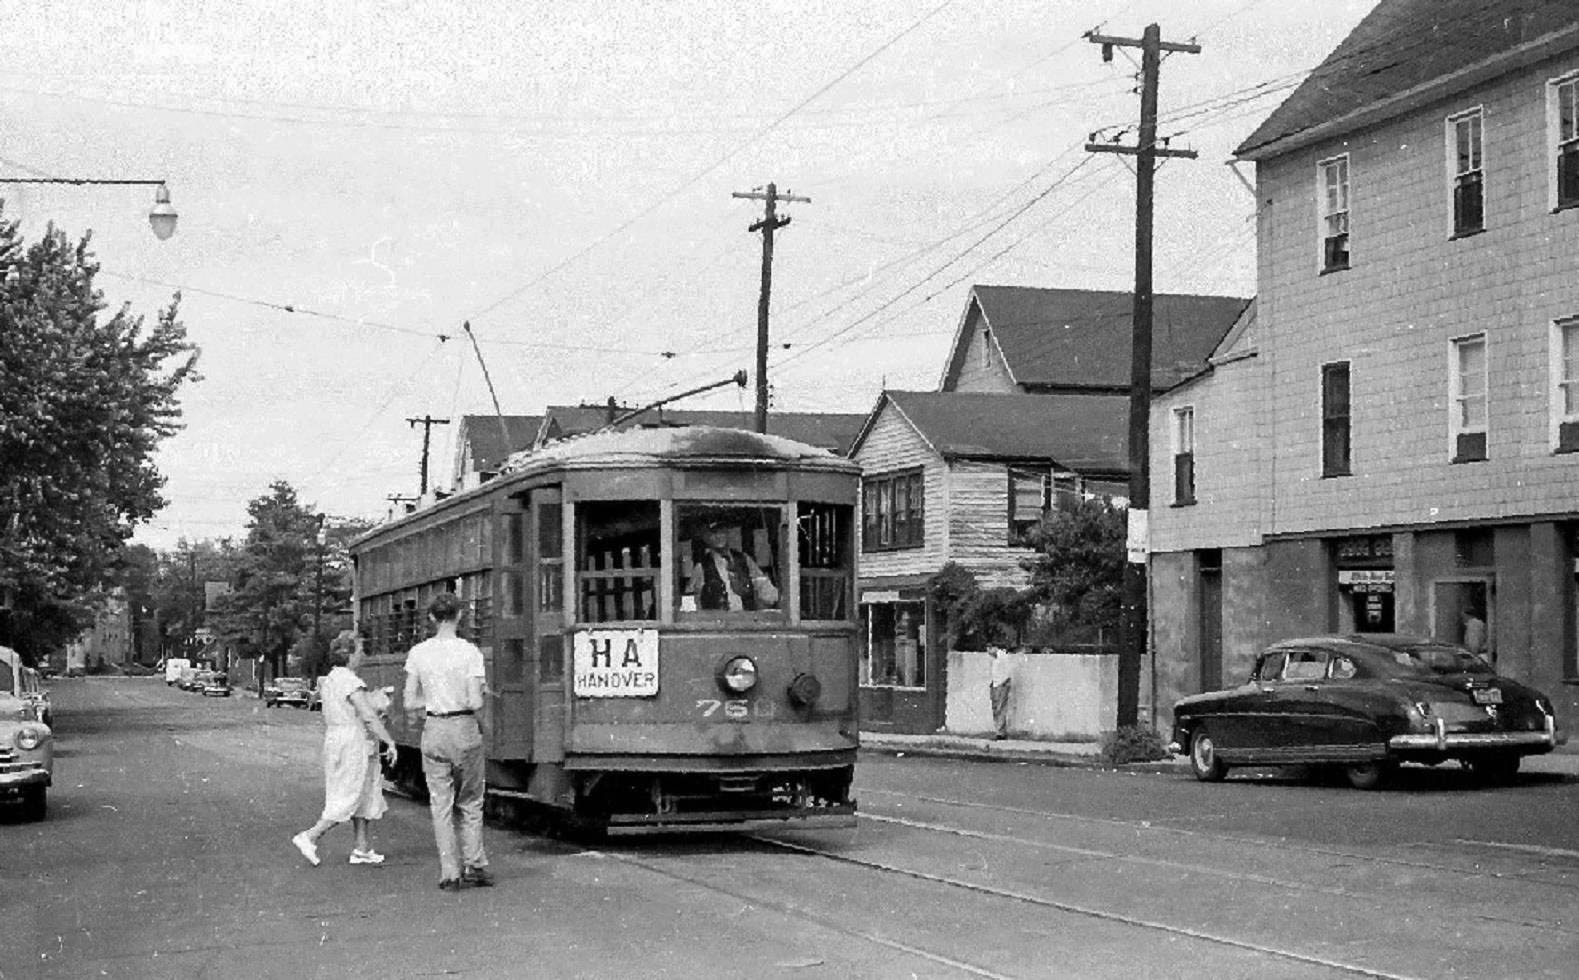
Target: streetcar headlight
{"x":29,"y":738}
{"x":738,"y":674}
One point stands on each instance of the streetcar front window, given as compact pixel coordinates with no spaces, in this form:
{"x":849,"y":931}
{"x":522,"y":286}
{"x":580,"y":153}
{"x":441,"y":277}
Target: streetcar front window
{"x":617,"y":574}
{"x":729,"y":558}
{"x":823,"y":536}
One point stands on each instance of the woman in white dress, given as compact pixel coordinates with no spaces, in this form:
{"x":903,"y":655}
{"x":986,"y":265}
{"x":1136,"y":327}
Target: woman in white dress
{"x":353,"y":731}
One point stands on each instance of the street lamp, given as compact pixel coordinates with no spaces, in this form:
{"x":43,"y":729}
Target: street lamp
{"x":161,"y":218}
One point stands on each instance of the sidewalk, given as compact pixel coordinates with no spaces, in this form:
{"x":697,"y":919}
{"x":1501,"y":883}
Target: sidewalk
{"x":1564,"y":761}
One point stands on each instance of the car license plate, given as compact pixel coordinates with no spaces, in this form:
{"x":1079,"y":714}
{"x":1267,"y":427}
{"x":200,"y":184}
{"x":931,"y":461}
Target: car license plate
{"x":1486,"y":695}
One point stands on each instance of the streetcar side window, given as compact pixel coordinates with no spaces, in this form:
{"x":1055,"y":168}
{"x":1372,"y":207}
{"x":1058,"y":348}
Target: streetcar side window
{"x":822,"y":534}
{"x":730,"y":557}
{"x":617,"y":571}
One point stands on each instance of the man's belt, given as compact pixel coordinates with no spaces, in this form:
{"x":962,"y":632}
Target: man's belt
{"x":451,"y":714}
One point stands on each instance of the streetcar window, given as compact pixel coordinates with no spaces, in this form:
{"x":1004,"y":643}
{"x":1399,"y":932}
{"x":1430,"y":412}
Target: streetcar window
{"x":617,"y":575}
{"x":822,"y":534}
{"x":730,"y":557}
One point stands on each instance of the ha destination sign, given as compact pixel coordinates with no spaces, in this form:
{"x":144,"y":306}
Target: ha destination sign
{"x":616,"y":663}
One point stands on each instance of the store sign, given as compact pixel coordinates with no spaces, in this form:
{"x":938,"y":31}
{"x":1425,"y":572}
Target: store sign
{"x":1366,"y":579}
{"x":616,"y":663}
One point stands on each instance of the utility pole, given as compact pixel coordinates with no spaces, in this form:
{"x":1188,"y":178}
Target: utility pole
{"x":427,"y":422}
{"x":770,"y":222}
{"x":1146,"y":152}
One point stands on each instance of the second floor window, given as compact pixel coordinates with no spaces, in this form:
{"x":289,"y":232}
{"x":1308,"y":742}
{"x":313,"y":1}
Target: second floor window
{"x":1184,"y":455}
{"x":1334,"y":191}
{"x":1566,"y":368}
{"x":1335,"y":419}
{"x":1034,"y":492}
{"x":1564,"y":115}
{"x":893,"y":514}
{"x":1469,"y":192}
{"x":1468,"y":383}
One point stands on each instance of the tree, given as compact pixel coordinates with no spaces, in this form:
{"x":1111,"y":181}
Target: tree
{"x":975,"y":617}
{"x":86,"y":401}
{"x":289,"y":591}
{"x":1079,"y":572}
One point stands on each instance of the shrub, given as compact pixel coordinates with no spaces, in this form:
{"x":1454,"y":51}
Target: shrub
{"x":1132,"y":743}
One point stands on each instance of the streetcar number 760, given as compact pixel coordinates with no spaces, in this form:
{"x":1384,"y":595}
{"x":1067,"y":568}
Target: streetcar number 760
{"x":734,"y":708}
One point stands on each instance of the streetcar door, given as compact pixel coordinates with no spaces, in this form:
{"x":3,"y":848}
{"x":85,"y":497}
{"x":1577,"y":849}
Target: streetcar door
{"x":548,"y":623}
{"x":507,"y":680}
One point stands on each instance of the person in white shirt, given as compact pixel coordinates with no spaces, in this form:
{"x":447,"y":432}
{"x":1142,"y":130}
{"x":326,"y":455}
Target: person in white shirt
{"x":445,"y":681}
{"x":1001,"y":679}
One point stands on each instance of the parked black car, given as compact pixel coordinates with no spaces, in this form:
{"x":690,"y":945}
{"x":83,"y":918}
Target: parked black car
{"x":1366,"y":703}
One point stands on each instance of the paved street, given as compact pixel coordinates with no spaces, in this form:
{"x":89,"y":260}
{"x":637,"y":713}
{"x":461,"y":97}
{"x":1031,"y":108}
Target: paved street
{"x":165,"y":855}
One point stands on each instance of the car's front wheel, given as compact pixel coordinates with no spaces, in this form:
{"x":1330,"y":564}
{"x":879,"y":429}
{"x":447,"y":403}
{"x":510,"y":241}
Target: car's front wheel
{"x":1208,"y":768}
{"x":1368,"y":775}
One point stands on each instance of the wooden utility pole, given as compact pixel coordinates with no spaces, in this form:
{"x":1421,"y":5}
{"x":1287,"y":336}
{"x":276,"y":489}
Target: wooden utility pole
{"x":1146,"y":152}
{"x":770,"y":222}
{"x":427,"y":422}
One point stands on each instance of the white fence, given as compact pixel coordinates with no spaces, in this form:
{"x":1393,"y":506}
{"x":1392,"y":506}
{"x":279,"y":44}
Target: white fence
{"x":1054,"y":696}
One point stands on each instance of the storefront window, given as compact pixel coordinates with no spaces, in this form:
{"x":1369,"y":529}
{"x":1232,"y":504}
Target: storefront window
{"x":617,"y":569}
{"x":729,"y":559}
{"x":895,"y":645}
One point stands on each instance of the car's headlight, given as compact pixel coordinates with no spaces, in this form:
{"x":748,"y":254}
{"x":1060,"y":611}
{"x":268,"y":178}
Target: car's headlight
{"x":29,"y":738}
{"x":738,"y":674}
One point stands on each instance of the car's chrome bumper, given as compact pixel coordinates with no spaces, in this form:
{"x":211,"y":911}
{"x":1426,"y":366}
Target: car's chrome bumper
{"x":1441,"y":740}
{"x":23,"y":774}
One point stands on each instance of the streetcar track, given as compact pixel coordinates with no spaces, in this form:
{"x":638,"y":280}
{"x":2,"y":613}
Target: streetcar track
{"x":796,"y":911}
{"x":1095,"y":913}
{"x":1282,"y":846}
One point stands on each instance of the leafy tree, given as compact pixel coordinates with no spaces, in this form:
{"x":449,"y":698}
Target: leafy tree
{"x":1079,"y":573}
{"x":86,"y":400}
{"x":290,"y":591}
{"x":975,"y":617}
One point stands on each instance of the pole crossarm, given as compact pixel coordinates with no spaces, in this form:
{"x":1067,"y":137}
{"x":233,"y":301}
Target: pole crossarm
{"x":1136,"y":151}
{"x":82,"y":181}
{"x":1136,"y":42}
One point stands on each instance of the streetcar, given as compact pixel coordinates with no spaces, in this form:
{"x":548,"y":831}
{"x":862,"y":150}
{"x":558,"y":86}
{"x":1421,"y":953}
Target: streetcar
{"x":668,"y":619}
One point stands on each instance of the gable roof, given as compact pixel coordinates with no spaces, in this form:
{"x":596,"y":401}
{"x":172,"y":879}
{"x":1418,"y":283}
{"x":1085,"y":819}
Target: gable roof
{"x":486,"y":440}
{"x":833,"y":431}
{"x":1406,"y":52}
{"x":1084,"y":433}
{"x":1079,"y":339}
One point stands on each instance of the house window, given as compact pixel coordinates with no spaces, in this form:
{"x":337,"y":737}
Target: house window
{"x":1468,"y":394}
{"x":1565,"y":371}
{"x":892,"y":511}
{"x":1334,"y":197}
{"x":1030,"y":496}
{"x":1468,"y":179}
{"x":1335,"y":420}
{"x":1184,"y":455}
{"x":1563,"y":116}
{"x":986,"y":348}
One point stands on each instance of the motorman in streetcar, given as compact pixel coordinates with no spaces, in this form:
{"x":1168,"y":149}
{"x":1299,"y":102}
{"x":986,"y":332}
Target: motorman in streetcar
{"x":724,"y":577}
{"x":1367,"y":703}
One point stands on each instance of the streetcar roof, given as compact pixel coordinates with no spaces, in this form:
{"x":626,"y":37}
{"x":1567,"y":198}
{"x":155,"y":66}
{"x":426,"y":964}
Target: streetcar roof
{"x":696,"y":444}
{"x":663,"y":446}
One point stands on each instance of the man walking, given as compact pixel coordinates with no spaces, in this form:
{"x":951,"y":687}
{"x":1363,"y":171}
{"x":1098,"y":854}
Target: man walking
{"x":444,"y":681}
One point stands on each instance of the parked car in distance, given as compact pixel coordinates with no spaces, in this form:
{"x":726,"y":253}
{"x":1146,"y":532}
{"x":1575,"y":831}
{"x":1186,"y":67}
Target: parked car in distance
{"x":1366,"y":703}
{"x":26,"y":756}
{"x":215,"y":684}
{"x":295,"y":691}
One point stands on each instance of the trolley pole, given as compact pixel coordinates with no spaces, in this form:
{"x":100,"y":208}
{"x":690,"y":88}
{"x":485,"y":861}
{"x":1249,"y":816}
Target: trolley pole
{"x":427,"y":422}
{"x":770,"y":222}
{"x":1135,"y":623}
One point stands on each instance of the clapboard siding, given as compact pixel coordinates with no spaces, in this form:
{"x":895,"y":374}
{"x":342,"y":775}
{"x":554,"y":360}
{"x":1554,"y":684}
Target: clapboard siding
{"x":983,"y":369}
{"x":978,"y":524}
{"x":892,"y":445}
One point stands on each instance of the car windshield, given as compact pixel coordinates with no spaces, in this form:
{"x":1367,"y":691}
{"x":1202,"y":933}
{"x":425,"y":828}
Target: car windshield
{"x":1439,"y":658}
{"x":291,"y":684}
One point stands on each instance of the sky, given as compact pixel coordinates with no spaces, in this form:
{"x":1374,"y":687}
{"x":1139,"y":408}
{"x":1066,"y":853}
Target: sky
{"x":357,"y":180}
